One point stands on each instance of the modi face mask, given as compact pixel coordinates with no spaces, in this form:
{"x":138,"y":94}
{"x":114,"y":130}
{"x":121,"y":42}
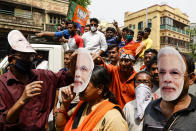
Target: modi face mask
{"x":84,"y":68}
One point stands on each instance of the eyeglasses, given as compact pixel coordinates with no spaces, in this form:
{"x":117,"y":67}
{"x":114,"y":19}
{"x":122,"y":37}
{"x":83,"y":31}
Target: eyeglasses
{"x":93,"y":24}
{"x":142,"y":81}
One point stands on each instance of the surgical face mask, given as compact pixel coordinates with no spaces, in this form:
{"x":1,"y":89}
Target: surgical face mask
{"x":129,"y":37}
{"x":23,"y":66}
{"x":93,"y":28}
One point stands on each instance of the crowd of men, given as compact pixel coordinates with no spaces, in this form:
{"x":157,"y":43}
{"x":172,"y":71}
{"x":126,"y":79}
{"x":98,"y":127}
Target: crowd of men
{"x":151,"y":87}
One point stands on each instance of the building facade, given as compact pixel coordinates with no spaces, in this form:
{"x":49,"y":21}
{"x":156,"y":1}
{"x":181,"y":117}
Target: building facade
{"x":168,"y":26}
{"x":29,"y":16}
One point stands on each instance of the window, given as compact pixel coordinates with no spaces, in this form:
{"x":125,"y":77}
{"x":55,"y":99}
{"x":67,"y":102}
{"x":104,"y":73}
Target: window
{"x":130,"y":25}
{"x":59,"y":20}
{"x":51,"y":19}
{"x":54,"y":21}
{"x":133,"y":27}
{"x":149,"y":23}
{"x":140,"y":25}
{"x":166,"y":21}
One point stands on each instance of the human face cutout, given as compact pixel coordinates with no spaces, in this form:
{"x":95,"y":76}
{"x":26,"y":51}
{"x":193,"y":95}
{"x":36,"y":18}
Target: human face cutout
{"x":84,"y":67}
{"x":171,"y":76}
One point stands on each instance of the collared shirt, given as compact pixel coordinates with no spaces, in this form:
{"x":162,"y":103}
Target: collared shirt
{"x":183,"y":120}
{"x":75,"y":42}
{"x":94,"y":42}
{"x":64,"y":33}
{"x":34,"y":114}
{"x":123,"y":91}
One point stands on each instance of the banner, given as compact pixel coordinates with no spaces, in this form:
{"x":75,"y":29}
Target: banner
{"x":78,"y":14}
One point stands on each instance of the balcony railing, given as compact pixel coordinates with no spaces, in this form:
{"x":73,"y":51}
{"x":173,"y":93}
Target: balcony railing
{"x":7,"y":12}
{"x":51,"y":28}
{"x":168,"y":27}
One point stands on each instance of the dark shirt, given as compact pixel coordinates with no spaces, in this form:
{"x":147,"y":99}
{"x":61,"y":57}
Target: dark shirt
{"x":34,"y":114}
{"x":113,"y":41}
{"x":183,"y":120}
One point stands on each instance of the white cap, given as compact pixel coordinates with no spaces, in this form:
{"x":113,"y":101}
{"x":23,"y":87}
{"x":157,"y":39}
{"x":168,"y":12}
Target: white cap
{"x":18,"y":42}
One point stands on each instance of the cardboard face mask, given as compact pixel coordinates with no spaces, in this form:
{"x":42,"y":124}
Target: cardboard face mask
{"x":84,"y":68}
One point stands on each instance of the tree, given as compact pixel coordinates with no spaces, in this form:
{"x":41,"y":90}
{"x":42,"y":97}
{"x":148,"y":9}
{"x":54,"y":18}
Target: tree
{"x":83,"y":3}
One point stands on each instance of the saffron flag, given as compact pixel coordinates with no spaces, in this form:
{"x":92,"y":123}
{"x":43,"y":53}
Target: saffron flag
{"x":78,"y":14}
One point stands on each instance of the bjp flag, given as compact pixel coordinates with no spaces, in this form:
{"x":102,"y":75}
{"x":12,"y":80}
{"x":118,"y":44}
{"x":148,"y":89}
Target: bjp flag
{"x":78,"y":14}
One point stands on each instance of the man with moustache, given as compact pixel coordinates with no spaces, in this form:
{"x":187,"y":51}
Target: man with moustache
{"x":176,"y":110}
{"x":113,"y":55}
{"x":122,"y":85}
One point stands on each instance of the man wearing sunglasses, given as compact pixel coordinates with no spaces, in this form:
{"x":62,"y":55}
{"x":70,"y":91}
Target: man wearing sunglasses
{"x":94,"y":40}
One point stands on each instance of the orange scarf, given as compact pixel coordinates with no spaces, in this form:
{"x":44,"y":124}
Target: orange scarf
{"x":91,"y":120}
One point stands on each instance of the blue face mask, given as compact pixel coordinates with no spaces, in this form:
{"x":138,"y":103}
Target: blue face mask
{"x":129,"y":38}
{"x":23,"y":66}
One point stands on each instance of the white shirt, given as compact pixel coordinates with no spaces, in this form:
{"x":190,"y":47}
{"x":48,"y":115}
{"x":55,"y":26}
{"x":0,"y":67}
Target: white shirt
{"x":94,"y":42}
{"x":129,"y":110}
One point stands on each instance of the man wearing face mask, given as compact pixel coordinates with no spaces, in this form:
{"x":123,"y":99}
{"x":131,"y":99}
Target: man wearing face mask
{"x":94,"y":40}
{"x":176,"y":110}
{"x":27,"y":95}
{"x":134,"y":110}
{"x":129,"y":37}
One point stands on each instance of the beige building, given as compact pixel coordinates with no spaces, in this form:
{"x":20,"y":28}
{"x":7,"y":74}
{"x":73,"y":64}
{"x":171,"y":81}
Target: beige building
{"x":168,"y":26}
{"x":29,"y":16}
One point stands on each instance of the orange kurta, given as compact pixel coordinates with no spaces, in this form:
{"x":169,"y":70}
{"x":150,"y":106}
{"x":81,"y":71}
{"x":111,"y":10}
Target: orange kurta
{"x":123,"y":91}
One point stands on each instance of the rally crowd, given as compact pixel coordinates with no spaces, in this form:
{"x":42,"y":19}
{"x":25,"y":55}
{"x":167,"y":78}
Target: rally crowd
{"x":132,"y":86}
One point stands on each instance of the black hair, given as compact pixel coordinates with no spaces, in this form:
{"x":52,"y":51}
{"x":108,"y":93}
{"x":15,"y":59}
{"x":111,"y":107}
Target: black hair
{"x":111,"y":29}
{"x":125,"y":29}
{"x":69,"y":52}
{"x":151,"y":50}
{"x":148,"y":30}
{"x":100,"y":76}
{"x":141,"y":32}
{"x":151,"y":62}
{"x":113,"y":46}
{"x":65,"y":21}
{"x":190,"y":62}
{"x":140,"y":72}
{"x":74,"y":24}
{"x":131,"y":32}
{"x":88,"y":25}
{"x":95,"y":20}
